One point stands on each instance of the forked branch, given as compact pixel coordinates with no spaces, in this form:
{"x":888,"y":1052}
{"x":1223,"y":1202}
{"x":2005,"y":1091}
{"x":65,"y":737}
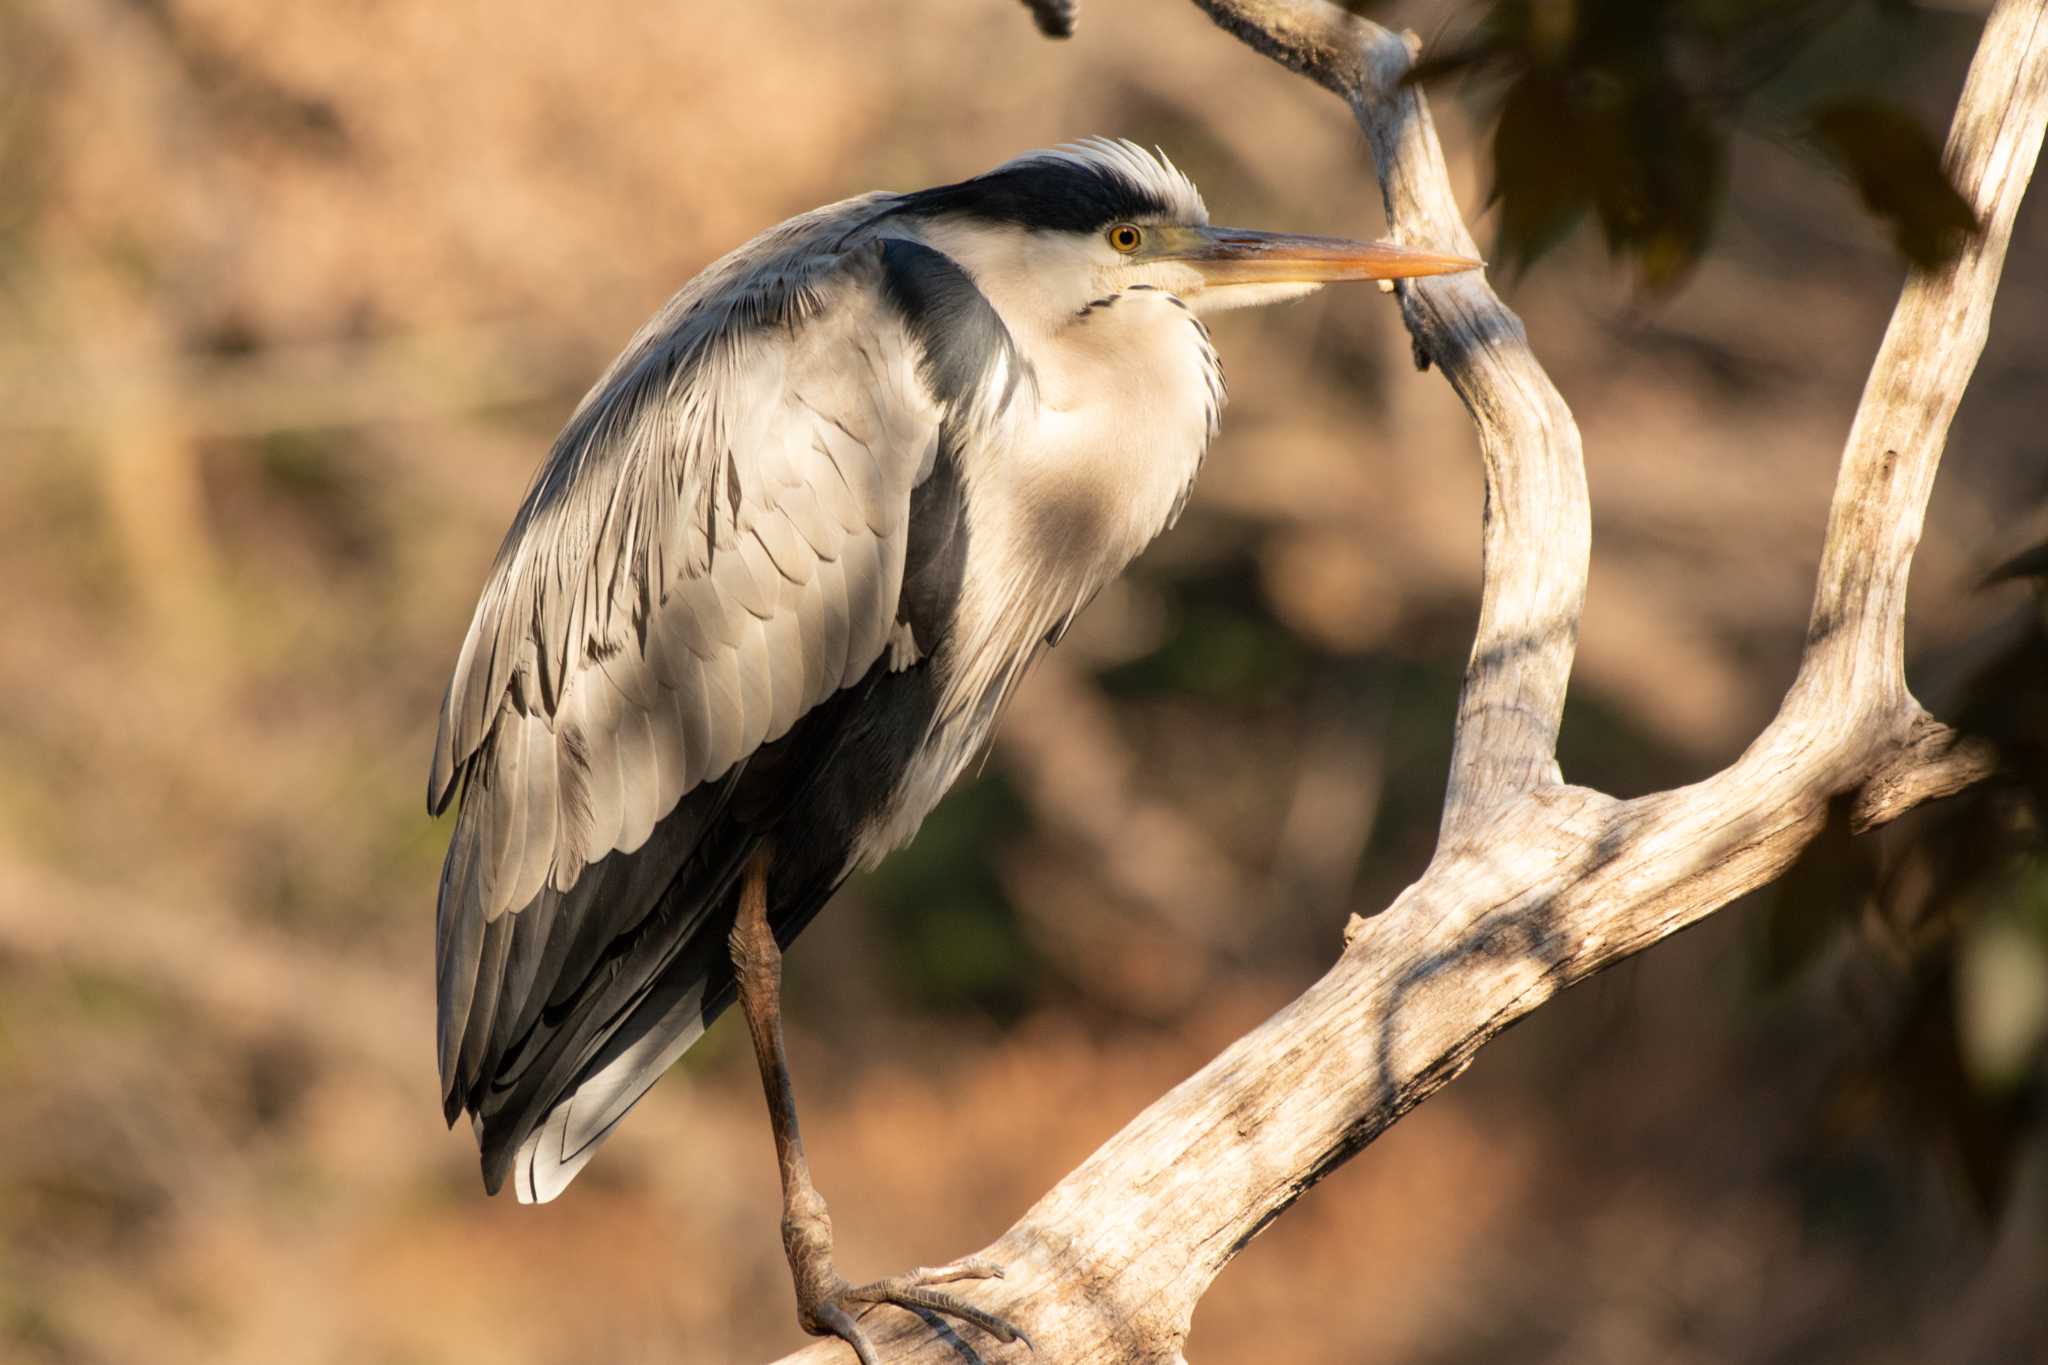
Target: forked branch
{"x":1535,"y":884}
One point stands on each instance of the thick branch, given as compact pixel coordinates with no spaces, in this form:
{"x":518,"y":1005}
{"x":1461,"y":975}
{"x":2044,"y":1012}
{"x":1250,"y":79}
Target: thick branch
{"x":1933,"y":762}
{"x":1538,"y":520}
{"x":1855,"y":658}
{"x":1535,"y":885}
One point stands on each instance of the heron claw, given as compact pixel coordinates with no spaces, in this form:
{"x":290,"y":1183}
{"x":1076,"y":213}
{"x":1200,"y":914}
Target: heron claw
{"x":837,"y":1311}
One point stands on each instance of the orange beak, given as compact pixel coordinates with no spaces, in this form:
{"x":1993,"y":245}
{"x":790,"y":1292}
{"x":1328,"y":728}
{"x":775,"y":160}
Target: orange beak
{"x":1240,"y":256}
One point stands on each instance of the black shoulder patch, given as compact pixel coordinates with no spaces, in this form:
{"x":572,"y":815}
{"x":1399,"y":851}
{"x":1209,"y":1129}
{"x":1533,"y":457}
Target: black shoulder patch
{"x":957,"y":330}
{"x":935,"y":551}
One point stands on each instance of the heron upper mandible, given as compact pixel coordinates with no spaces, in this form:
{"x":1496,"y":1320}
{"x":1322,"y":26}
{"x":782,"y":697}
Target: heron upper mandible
{"x":765,"y":601}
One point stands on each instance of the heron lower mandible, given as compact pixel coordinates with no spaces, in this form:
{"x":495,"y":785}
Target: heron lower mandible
{"x":765,"y":601}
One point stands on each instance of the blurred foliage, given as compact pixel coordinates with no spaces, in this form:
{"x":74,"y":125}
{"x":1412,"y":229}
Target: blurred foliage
{"x":1936,"y":930}
{"x":1625,"y":110}
{"x":1221,"y":642}
{"x":1897,"y":168}
{"x":952,"y":936}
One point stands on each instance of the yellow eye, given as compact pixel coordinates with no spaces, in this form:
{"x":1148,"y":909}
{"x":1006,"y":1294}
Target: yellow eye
{"x":1125,"y":238}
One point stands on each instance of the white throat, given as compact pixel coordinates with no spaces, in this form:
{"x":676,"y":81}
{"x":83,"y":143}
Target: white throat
{"x":1092,"y":460}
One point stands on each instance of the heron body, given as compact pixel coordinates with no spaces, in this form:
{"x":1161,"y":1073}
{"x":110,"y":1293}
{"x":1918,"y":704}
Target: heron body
{"x":774,"y":582}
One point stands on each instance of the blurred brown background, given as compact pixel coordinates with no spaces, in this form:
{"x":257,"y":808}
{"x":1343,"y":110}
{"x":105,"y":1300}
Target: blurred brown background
{"x":292,"y":299}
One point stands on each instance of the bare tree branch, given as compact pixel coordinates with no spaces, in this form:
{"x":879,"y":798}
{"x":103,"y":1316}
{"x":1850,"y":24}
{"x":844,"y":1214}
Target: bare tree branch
{"x":1535,"y":884}
{"x":1933,"y":762}
{"x":1538,"y":530}
{"x":1055,"y":18}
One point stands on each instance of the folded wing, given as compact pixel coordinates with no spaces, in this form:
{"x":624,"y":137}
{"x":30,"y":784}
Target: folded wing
{"x":713,"y":551}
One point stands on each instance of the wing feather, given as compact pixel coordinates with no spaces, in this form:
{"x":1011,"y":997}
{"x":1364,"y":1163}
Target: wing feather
{"x":756,"y":701}
{"x":714,"y":549}
{"x":756,"y":583}
{"x":706,"y":620}
{"x":485,"y":867}
{"x":807,"y":621}
{"x":788,"y":553}
{"x":691,"y":718}
{"x":640,"y":760}
{"x":538,"y":854}
{"x":459,"y":934}
{"x":726,"y":717}
{"x":835,"y":629}
{"x":656,"y":615}
{"x":808,"y":517}
{"x":594,"y":718}
{"x":668,"y":735}
{"x":490,"y":980}
{"x":525,"y":959}
{"x":507,"y":812}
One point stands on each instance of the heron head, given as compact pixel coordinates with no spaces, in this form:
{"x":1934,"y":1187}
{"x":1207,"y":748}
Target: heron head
{"x":1095,"y":218}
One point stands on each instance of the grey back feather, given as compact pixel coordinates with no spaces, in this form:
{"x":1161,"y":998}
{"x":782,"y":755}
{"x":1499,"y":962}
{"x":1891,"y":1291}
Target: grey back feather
{"x":713,"y":547}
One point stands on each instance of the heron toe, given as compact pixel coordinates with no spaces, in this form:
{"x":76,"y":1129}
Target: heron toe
{"x":838,"y":1311}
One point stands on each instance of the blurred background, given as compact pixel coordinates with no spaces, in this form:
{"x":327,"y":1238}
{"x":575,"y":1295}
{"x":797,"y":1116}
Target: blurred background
{"x":293,"y":299}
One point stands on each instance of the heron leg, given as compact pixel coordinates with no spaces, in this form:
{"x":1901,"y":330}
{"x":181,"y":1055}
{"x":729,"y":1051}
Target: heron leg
{"x":826,"y":1305}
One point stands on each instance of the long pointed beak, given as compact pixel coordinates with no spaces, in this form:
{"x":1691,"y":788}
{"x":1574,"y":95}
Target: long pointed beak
{"x":1241,"y":256}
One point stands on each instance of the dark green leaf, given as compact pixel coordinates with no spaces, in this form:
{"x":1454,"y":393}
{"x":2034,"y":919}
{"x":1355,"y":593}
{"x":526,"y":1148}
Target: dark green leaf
{"x":1896,"y":166}
{"x":1539,"y":167}
{"x":2026,"y":564}
{"x":1826,"y":890}
{"x":1661,"y":188}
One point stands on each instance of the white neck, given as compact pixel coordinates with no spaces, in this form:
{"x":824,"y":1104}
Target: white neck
{"x":1090,"y":461}
{"x":1067,"y":491}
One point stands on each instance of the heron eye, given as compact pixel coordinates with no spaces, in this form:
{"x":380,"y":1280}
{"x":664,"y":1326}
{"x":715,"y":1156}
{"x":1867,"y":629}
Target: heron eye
{"x":1125,"y":238}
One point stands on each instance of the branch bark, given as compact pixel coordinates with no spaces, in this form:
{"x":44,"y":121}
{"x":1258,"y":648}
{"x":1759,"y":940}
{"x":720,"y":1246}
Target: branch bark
{"x":1535,"y":884}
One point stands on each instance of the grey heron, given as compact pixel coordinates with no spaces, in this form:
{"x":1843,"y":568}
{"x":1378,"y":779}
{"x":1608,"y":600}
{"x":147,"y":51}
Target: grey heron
{"x":765,"y":599}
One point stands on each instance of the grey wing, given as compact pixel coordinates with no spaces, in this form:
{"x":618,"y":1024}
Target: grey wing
{"x":714,"y":548}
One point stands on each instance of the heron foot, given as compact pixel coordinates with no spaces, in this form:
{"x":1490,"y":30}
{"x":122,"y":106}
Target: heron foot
{"x":835,"y":1310}
{"x":826,"y":1305}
